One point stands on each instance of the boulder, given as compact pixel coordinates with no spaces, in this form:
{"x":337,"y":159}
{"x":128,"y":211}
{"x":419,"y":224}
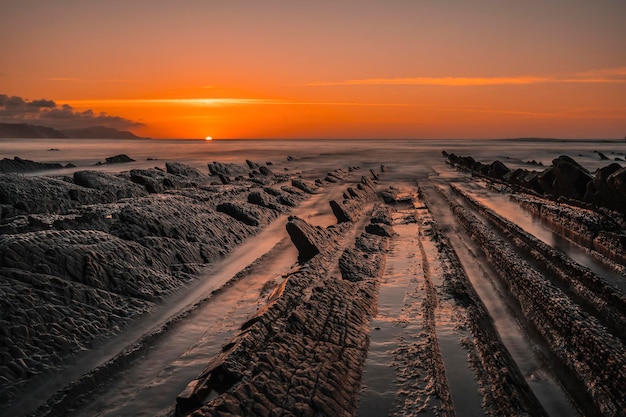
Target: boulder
{"x":266,"y":171}
{"x":239,"y":212}
{"x":341,"y":212}
{"x":304,"y":186}
{"x":570,"y":178}
{"x":252,"y":164}
{"x":103,"y":181}
{"x":379,"y":229}
{"x":176,"y":168}
{"x":226,"y":169}
{"x":117,"y":159}
{"x":497,"y":170}
{"x":18,"y":164}
{"x":263,"y":199}
{"x":308,"y":239}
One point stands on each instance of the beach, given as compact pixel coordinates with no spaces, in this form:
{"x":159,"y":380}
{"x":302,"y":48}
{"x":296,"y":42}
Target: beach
{"x":314,"y":277}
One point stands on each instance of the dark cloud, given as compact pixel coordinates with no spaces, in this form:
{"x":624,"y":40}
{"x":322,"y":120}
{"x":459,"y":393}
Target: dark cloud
{"x":42,"y":103}
{"x":14,"y":109}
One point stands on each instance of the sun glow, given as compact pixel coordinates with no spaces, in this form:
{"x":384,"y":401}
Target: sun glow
{"x":208,"y":138}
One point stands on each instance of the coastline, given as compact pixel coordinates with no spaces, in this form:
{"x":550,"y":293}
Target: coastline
{"x":166,"y":219}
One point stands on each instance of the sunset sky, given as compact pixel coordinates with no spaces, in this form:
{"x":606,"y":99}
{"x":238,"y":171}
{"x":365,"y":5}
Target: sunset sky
{"x":318,"y":69}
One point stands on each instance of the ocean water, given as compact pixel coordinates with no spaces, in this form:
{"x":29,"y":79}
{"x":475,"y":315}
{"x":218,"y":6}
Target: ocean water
{"x":409,"y":157}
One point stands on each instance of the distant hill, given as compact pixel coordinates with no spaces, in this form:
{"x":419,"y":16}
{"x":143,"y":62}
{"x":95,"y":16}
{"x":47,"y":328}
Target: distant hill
{"x":27,"y":131}
{"x":99,"y":132}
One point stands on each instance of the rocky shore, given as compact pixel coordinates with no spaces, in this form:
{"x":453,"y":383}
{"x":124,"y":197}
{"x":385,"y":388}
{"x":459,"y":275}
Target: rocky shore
{"x":302,"y":353}
{"x":83,"y":255}
{"x":455,"y":302}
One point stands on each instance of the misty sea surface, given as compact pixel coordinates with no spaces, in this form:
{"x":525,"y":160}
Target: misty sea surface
{"x":413,"y":155}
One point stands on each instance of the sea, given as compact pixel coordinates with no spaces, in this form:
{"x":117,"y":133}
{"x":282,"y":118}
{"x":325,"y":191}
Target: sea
{"x":403,"y":157}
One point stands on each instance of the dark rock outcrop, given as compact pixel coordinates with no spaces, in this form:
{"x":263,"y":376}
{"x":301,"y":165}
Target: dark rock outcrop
{"x":176,"y":168}
{"x":243,"y":212}
{"x":304,"y":186}
{"x":108,"y":183}
{"x":18,"y":164}
{"x":565,"y":179}
{"x":117,"y":159}
{"x":570,"y":178}
{"x":21,"y":194}
{"x":263,"y":199}
{"x":81,"y":256}
{"x":308,"y":239}
{"x":226,"y":169}
{"x":341,"y":212}
{"x":379,"y":229}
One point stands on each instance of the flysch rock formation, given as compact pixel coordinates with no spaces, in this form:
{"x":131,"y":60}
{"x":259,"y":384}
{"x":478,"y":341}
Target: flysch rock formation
{"x":593,"y":354}
{"x":302,"y":354}
{"x":588,"y":208}
{"x":83,"y":255}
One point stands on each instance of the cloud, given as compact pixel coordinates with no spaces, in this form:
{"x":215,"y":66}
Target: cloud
{"x":611,"y":75}
{"x":210,"y":102}
{"x":15,"y":109}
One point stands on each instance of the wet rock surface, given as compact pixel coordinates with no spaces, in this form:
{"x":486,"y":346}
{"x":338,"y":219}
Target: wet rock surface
{"x":566,"y":178}
{"x":18,"y":164}
{"x":82,"y":256}
{"x":303,"y":352}
{"x":589,"y":208}
{"x":579,"y":340}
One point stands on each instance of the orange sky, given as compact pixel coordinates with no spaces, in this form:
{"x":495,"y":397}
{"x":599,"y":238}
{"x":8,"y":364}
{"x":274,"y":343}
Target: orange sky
{"x":353,"y":69}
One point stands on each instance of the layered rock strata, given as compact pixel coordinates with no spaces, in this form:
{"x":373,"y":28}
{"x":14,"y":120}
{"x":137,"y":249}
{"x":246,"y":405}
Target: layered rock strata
{"x":302,"y":354}
{"x":81,"y":256}
{"x":596,"y":357}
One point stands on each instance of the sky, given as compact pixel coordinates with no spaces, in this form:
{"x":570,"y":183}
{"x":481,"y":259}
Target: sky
{"x":318,"y":69}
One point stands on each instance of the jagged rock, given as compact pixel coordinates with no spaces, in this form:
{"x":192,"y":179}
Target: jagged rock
{"x":602,"y":156}
{"x":570,"y":178}
{"x":264,"y":199}
{"x":224,"y":179}
{"x":608,"y":188}
{"x":157,"y":181}
{"x":291,"y":190}
{"x":18,"y":164}
{"x":239,"y":212}
{"x":152,"y":180}
{"x":379,"y":229}
{"x":117,"y":159}
{"x":103,"y":181}
{"x":308,"y":239}
{"x":252,"y":164}
{"x":304,"y":186}
{"x":341,"y":212}
{"x":176,"y":168}
{"x":381,"y":214}
{"x":226,"y":169}
{"x":368,"y":183}
{"x":266,"y":171}
{"x":288,"y":199}
{"x":497,"y":169}
{"x":21,"y":194}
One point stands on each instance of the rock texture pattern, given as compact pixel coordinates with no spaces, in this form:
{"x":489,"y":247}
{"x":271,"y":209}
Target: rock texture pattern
{"x":303,"y":352}
{"x":80,"y":256}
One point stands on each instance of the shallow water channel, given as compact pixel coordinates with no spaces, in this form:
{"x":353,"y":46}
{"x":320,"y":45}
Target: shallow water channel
{"x":519,"y":344}
{"x":510,"y":210}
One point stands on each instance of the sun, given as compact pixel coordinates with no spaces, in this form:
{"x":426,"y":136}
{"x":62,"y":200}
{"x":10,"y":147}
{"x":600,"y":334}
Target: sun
{"x":208,"y":138}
